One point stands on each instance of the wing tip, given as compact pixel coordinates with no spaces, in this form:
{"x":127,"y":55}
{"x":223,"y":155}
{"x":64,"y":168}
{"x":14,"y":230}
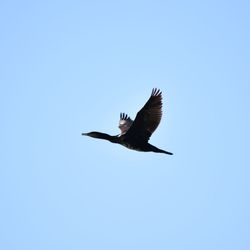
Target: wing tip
{"x":156,"y":92}
{"x":124,"y":116}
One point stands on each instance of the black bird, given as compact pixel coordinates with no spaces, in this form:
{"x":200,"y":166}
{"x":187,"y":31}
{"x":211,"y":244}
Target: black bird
{"x":135,"y":134}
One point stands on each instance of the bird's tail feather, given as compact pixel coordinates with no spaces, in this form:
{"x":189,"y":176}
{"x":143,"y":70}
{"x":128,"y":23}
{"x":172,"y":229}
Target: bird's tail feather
{"x":165,"y":152}
{"x":158,"y":150}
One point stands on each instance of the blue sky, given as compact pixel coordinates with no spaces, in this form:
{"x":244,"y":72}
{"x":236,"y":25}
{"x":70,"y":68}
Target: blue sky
{"x":68,"y":67}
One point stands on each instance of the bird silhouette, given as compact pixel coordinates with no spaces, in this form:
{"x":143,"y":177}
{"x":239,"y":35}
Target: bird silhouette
{"x":135,"y":134}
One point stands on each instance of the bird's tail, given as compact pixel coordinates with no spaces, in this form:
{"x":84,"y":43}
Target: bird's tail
{"x":163,"y":151}
{"x":158,"y":150}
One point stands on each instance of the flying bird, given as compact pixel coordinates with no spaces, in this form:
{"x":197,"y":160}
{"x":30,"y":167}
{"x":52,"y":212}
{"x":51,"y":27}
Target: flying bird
{"x":135,"y":134}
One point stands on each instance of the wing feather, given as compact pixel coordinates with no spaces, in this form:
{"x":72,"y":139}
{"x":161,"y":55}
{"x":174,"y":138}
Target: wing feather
{"x":124,"y":123}
{"x":148,"y":118}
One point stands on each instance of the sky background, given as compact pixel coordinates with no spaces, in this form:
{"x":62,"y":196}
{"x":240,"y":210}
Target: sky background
{"x":68,"y":67}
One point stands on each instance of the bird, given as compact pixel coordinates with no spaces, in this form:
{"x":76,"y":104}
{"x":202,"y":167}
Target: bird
{"x":136,"y":134}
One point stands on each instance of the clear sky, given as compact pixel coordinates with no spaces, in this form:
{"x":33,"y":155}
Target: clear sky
{"x":68,"y":67}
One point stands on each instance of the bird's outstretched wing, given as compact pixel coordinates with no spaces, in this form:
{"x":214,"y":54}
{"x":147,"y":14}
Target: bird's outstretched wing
{"x":124,"y":123}
{"x":148,"y":118}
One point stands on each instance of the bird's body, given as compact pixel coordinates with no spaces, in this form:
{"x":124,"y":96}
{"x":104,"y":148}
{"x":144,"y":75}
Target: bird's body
{"x":135,"y":134}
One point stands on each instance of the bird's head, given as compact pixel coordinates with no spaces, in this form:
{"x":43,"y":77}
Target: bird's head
{"x":92,"y":134}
